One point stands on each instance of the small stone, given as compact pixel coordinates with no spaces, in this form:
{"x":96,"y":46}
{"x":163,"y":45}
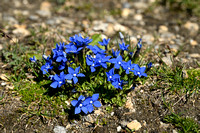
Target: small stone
{"x":45,"y":6}
{"x":148,"y":39}
{"x":129,"y":105}
{"x":1,"y":47}
{"x":43,"y":13}
{"x":185,"y":74}
{"x":163,"y":29}
{"x":167,"y":60}
{"x":193,"y":28}
{"x":195,"y":55}
{"x":21,"y":29}
{"x":98,"y":112}
{"x":119,"y":128}
{"x":138,"y":17}
{"x":33,"y":17}
{"x":163,"y":125}
{"x":89,"y":118}
{"x":140,"y":5}
{"x":134,"y":125}
{"x":112,"y":113}
{"x":124,"y":123}
{"x":3,"y":83}
{"x":174,"y":131}
{"x":125,"y":12}
{"x":59,"y":129}
{"x":10,"y":87}
{"x":193,"y":42}
{"x":4,"y":77}
{"x":10,"y":20}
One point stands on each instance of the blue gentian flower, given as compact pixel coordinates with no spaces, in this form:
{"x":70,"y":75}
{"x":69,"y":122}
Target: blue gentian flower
{"x":62,"y":66}
{"x":90,"y":62}
{"x":117,"y":83}
{"x":90,"y":101}
{"x":101,"y":60}
{"x":45,"y":68}
{"x":128,"y":66}
{"x":71,"y":48}
{"x":121,"y":36}
{"x":139,"y":71}
{"x":95,"y":49}
{"x":115,"y":53}
{"x":149,"y":65}
{"x":59,"y":53}
{"x":33,"y":59}
{"x":78,"y":104}
{"x":111,"y":76}
{"x":123,"y":46}
{"x":117,"y":61}
{"x":58,"y":81}
{"x":104,"y":43}
{"x":73,"y":74}
{"x":80,"y":41}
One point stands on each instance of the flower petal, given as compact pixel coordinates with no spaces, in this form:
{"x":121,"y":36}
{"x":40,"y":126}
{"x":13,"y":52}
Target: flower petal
{"x":75,"y":79}
{"x":69,"y":76}
{"x":95,"y":97}
{"x":74,"y":102}
{"x":97,"y":104}
{"x":54,"y":84}
{"x":80,"y":75}
{"x":71,"y":70}
{"x":90,"y":108}
{"x":77,"y":110}
{"x":84,"y":109}
{"x":77,"y":69}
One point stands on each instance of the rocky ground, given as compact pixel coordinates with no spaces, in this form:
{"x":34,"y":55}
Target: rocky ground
{"x":163,"y":31}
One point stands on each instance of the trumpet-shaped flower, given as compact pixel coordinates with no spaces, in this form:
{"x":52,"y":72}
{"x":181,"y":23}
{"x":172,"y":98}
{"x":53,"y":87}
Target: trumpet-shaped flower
{"x":117,"y":61}
{"x":58,"y":81}
{"x":123,"y":46}
{"x":139,"y":71}
{"x":73,"y":74}
{"x":90,"y":101}
{"x":111,"y":76}
{"x":33,"y":59}
{"x":105,"y":42}
{"x":128,"y":66}
{"x":79,"y":105}
{"x":45,"y":68}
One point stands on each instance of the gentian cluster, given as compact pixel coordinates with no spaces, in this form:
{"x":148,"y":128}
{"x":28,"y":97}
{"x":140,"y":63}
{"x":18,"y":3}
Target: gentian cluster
{"x":86,"y":104}
{"x":61,"y":71}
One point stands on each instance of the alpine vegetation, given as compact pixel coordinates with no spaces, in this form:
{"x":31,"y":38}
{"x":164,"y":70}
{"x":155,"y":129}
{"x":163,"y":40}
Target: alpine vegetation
{"x":87,"y":70}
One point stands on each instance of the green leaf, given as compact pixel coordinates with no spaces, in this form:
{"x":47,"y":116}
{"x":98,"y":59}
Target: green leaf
{"x":96,"y":38}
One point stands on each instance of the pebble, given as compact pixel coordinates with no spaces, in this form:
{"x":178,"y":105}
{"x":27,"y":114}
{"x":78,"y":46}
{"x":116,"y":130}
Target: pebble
{"x":148,"y":39}
{"x":119,"y":128}
{"x":45,"y":6}
{"x":163,"y":29}
{"x":193,"y":42}
{"x":125,"y":12}
{"x":134,"y":125}
{"x":21,"y":30}
{"x":33,"y":17}
{"x":4,"y":77}
{"x":124,"y":123}
{"x":163,"y":125}
{"x":43,"y":13}
{"x":195,"y":55}
{"x":10,"y":20}
{"x":193,"y":28}
{"x":112,"y":113}
{"x":174,"y":131}
{"x":89,"y":118}
{"x":140,"y":5}
{"x":1,"y":47}
{"x":59,"y":129}
{"x":129,"y":105}
{"x":98,"y":112}
{"x":138,"y":17}
{"x":167,"y":60}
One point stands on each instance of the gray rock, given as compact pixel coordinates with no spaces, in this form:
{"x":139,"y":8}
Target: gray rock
{"x":11,"y":20}
{"x":167,"y":60}
{"x":33,"y":17}
{"x":59,"y":129}
{"x":43,"y":13}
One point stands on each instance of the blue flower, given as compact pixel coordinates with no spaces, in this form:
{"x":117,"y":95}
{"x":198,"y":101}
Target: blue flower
{"x":73,"y":74}
{"x":139,"y":71}
{"x":95,"y":49}
{"x":58,"y":81}
{"x":105,"y":42}
{"x":101,"y":60}
{"x":71,"y":48}
{"x":149,"y":65}
{"x":90,"y":62}
{"x":117,"y":83}
{"x":111,"y":76}
{"x":45,"y":68}
{"x":33,"y":59}
{"x":59,"y":54}
{"x":123,"y":46}
{"x":80,"y":41}
{"x":128,"y":66}
{"x":78,"y":104}
{"x":115,"y":53}
{"x":62,"y":66}
{"x":90,"y":101}
{"x":117,"y":61}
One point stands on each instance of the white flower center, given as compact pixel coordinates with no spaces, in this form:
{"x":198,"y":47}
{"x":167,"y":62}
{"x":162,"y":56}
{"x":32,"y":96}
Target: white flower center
{"x":119,"y":62}
{"x":129,"y":68}
{"x":99,"y":61}
{"x":110,"y":77}
{"x":119,"y":83}
{"x":74,"y":75}
{"x":80,"y":105}
{"x":60,"y":82}
{"x":92,"y":64}
{"x":48,"y":66}
{"x":91,"y":102}
{"x":138,"y":73}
